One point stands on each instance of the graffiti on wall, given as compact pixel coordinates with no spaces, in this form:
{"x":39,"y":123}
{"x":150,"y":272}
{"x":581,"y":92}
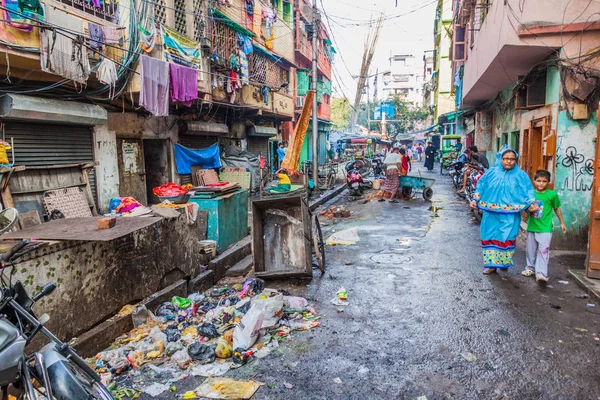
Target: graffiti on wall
{"x":580,"y":170}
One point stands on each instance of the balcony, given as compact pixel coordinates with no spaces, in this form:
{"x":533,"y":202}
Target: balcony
{"x":508,"y":45}
{"x":304,"y":47}
{"x":108,"y":11}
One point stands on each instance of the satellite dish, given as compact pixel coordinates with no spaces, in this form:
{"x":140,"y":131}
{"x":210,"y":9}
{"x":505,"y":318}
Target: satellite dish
{"x":8,"y":219}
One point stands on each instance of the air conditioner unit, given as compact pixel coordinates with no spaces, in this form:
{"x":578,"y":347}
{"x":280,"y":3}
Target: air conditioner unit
{"x":299,"y":101}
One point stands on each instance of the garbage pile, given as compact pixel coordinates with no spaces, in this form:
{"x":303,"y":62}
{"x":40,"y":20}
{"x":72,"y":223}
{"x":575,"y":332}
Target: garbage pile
{"x":205,"y":334}
{"x":336,"y":212}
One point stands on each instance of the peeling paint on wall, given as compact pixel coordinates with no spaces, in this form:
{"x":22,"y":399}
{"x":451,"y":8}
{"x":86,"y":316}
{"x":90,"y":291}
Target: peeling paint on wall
{"x":107,"y":170}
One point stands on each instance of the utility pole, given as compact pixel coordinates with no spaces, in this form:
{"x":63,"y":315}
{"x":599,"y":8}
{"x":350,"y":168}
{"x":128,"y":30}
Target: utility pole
{"x":368,"y":106}
{"x":315,"y":121}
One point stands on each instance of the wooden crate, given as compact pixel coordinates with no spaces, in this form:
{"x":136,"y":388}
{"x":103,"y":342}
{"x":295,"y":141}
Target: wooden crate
{"x":281,"y":237}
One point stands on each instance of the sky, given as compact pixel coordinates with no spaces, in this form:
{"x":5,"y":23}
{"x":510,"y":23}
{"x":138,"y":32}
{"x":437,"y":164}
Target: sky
{"x":408,"y":30}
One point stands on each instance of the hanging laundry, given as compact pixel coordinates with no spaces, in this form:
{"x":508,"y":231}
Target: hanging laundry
{"x":184,"y":84}
{"x":148,"y":38}
{"x":269,"y":42}
{"x":107,"y":74}
{"x":96,"y":37}
{"x":31,"y":9}
{"x":250,"y":14}
{"x":234,"y":62}
{"x":264,"y":90}
{"x":244,"y":71}
{"x":96,"y":3}
{"x":113,"y":35}
{"x":234,"y":85}
{"x":64,"y":54}
{"x":245,"y":43}
{"x":268,"y":15}
{"x":154,"y":91}
{"x":15,"y":17}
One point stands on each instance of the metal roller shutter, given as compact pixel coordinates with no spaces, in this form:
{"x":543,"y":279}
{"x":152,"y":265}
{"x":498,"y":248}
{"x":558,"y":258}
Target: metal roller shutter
{"x":45,"y":144}
{"x":195,"y":142}
{"x":259,"y":145}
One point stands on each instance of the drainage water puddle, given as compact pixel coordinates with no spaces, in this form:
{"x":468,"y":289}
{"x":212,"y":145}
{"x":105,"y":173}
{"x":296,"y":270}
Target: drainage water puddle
{"x":390,"y":258}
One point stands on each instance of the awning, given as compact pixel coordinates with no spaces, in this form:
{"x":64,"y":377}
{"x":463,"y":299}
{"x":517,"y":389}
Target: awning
{"x":28,"y":108}
{"x":451,"y":116}
{"x":261,"y":131}
{"x":202,"y":128}
{"x":225,"y":20}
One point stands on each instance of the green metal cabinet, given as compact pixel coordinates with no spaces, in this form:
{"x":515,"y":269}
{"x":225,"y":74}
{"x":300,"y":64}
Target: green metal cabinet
{"x":227,"y":217}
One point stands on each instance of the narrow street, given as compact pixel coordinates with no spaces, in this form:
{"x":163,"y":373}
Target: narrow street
{"x":419,"y":305}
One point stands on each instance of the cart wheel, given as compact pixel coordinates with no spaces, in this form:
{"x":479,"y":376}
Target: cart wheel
{"x":441,"y":168}
{"x":427,"y":193}
{"x":407,"y":192}
{"x":318,"y":243}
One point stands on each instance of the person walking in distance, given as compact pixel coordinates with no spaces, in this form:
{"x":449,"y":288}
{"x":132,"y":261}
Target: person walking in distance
{"x":429,"y":156}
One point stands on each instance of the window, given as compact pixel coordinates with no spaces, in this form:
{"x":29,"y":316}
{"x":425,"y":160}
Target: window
{"x":198,"y":20}
{"x":532,"y":93}
{"x":180,"y":17}
{"x":459,"y":50}
{"x":224,"y":40}
{"x":160,"y":12}
{"x":287,"y":12}
{"x":108,"y":10}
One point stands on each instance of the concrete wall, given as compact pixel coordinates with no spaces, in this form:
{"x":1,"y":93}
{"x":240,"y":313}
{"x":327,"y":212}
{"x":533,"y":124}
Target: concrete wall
{"x":95,"y":279}
{"x":575,"y":154}
{"x":107,"y":170}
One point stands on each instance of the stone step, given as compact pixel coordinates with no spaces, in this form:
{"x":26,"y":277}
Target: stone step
{"x":242,"y":267}
{"x":230,"y":257}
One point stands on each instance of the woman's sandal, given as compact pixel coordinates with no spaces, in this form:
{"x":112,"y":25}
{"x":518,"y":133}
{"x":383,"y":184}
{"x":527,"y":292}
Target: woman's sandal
{"x":487,"y":271}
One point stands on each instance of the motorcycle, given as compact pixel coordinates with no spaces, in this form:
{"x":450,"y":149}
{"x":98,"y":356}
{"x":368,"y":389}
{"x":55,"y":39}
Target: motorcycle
{"x":471,"y":188}
{"x":378,"y":169}
{"x":55,"y":371}
{"x":355,"y":182}
{"x":456,"y":171}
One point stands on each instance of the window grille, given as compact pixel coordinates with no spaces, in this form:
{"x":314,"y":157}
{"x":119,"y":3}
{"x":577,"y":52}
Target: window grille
{"x":160,"y":12}
{"x":198,"y":20}
{"x":109,"y":10}
{"x":180,"y":17}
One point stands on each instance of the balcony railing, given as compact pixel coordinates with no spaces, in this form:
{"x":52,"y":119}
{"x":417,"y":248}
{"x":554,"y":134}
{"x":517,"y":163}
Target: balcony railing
{"x":108,"y":10}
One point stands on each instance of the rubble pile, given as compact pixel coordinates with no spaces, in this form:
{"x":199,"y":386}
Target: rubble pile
{"x":205,"y":334}
{"x":336,"y":212}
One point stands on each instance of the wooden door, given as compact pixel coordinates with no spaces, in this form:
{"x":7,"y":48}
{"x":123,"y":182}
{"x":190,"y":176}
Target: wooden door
{"x":593,"y":258}
{"x":132,"y":172}
{"x":524,"y":158}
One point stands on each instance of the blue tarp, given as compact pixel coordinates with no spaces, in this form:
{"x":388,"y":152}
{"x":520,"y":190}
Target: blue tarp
{"x":205,"y":158}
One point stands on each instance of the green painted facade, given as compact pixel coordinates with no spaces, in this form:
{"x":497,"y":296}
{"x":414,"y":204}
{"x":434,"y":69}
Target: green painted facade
{"x":552,"y":86}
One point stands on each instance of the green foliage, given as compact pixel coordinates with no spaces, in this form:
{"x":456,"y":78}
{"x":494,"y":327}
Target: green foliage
{"x":408,"y":113}
{"x":341,"y":113}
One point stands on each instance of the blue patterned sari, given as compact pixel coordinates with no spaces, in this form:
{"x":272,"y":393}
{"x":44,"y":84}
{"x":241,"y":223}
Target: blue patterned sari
{"x":502,"y":195}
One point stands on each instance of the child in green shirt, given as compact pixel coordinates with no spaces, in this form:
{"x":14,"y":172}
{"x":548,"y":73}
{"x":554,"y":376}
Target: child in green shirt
{"x":539,"y":227}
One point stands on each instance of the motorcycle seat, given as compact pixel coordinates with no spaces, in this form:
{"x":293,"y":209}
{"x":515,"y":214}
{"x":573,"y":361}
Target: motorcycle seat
{"x":8,"y":334}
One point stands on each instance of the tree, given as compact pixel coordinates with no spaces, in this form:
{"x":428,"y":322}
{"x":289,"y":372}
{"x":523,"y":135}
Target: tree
{"x":341,"y":113}
{"x":409,"y":115}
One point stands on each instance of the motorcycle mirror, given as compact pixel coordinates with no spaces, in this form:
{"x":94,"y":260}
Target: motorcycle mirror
{"x":46,"y":290}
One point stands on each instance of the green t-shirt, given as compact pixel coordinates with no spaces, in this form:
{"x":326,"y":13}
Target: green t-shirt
{"x":550,"y":202}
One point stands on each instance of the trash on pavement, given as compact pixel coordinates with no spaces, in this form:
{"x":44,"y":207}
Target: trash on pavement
{"x":581,"y":330}
{"x":555,"y":306}
{"x":345,"y":237}
{"x":204,"y":334}
{"x":582,"y":296}
{"x":564,"y":282}
{"x":227,"y":388}
{"x":288,"y":385}
{"x":337,"y":380}
{"x":342,"y":293}
{"x":336,"y":212}
{"x":468,"y":356}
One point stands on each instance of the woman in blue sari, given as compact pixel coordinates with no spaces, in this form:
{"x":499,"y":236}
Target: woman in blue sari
{"x":502,"y":193}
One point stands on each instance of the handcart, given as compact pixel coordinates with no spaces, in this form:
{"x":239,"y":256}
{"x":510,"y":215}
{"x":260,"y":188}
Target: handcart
{"x":409,"y":185}
{"x":285,"y":236}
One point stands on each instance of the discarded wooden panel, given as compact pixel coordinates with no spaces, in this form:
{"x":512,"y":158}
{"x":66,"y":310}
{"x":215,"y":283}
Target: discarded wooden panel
{"x":281,"y":238}
{"x":82,"y":229}
{"x":30,"y":218}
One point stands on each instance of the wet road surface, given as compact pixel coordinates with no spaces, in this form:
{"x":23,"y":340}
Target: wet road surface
{"x":424,"y":321}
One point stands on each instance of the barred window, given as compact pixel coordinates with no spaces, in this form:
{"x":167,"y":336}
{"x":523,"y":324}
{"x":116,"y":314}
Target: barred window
{"x":198,"y":6}
{"x":160,"y":12}
{"x":180,"y":17}
{"x":108,"y":11}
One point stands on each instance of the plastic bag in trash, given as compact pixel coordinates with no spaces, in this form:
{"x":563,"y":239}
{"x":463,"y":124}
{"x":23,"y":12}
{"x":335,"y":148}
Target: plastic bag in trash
{"x":140,"y":316}
{"x":273,"y":309}
{"x":173,"y":334}
{"x":201,"y":352}
{"x":247,"y":330}
{"x":295,"y":302}
{"x":181,"y":358}
{"x":223,"y":349}
{"x":208,"y":330}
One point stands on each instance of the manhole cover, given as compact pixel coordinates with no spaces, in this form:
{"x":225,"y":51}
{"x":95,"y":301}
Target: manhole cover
{"x":390,"y":258}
